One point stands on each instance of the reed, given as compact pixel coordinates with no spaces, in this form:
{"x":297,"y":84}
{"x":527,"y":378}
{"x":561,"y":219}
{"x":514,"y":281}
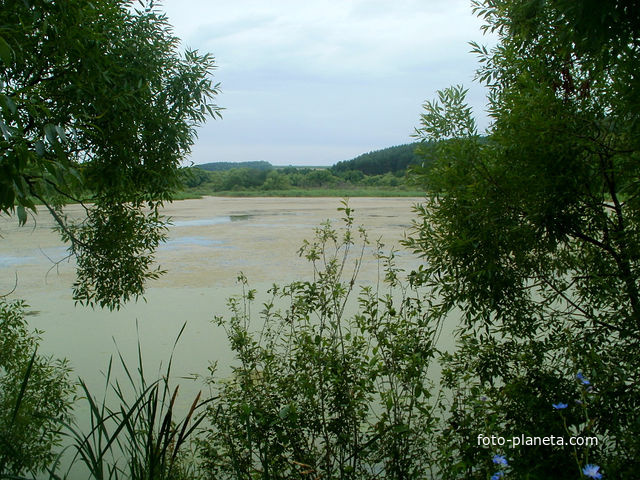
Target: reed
{"x":140,"y":437}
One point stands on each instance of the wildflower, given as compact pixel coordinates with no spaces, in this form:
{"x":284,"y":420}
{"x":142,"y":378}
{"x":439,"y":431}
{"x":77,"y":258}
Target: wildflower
{"x":483,"y":398}
{"x":497,"y":476}
{"x":500,"y":460}
{"x":559,"y":406}
{"x":591,"y":471}
{"x":580,"y":377}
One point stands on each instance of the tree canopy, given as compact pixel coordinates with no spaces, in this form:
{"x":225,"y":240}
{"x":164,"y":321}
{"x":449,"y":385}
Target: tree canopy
{"x":534,"y":234}
{"x":96,"y":97}
{"x":378,"y":162}
{"x":223,"y":166}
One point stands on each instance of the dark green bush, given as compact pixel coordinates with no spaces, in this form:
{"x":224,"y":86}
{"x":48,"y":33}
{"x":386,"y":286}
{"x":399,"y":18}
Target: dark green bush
{"x":35,"y":397}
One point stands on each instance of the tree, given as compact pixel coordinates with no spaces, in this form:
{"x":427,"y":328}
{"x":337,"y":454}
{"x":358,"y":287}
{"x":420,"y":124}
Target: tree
{"x":276,"y":181}
{"x":535,"y":236}
{"x":393,"y":159}
{"x":96,"y":99}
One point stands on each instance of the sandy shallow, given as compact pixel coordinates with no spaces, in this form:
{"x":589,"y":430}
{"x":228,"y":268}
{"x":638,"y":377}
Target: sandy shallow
{"x":210,"y":241}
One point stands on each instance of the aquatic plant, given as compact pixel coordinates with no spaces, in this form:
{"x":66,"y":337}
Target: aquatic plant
{"x":139,"y":437}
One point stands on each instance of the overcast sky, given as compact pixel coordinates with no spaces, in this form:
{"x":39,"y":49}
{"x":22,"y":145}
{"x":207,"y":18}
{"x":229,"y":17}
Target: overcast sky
{"x":314,"y":82}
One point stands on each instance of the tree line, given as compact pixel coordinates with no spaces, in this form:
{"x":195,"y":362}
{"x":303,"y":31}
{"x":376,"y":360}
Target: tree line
{"x":392,"y":159}
{"x":384,"y":168}
{"x":239,"y":179}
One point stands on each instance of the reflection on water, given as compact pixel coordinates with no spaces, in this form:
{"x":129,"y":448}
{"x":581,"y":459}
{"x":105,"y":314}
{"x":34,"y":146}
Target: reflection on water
{"x":9,"y":261}
{"x":35,"y":256}
{"x":190,"y":241}
{"x":203,"y":222}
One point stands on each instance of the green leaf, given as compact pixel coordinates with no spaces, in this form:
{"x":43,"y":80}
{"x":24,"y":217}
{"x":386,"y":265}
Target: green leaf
{"x":22,"y":215}
{"x":5,"y":130}
{"x":5,"y":52}
{"x":60,"y":132}
{"x":10,"y":104}
{"x":39,"y":146}
{"x":50,"y":133}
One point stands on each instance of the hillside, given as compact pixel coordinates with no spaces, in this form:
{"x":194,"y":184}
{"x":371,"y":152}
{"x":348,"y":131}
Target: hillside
{"x":379,"y":162}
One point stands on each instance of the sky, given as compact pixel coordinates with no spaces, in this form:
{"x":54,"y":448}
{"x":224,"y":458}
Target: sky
{"x":315,"y":82}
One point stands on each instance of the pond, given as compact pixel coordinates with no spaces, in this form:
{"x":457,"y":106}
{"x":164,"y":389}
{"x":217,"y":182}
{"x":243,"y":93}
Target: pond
{"x":210,"y":241}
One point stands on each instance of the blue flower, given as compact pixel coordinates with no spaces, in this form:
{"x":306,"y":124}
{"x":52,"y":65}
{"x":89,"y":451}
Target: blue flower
{"x":497,"y":476}
{"x":559,"y":406}
{"x":591,"y":471}
{"x":500,"y":460}
{"x":580,"y":377}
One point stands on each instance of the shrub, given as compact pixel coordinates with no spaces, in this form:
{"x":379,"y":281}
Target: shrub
{"x":35,"y":396}
{"x":318,"y":393}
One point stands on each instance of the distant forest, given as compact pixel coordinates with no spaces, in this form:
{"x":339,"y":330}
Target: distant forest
{"x":379,"y":170}
{"x":379,"y":162}
{"x":221,"y":166}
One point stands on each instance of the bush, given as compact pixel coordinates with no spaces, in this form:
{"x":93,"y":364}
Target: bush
{"x":35,"y":396}
{"x":318,"y":392}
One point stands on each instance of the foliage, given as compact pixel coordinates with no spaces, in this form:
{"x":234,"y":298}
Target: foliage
{"x":35,"y":397}
{"x":193,"y":176}
{"x":534,"y":236}
{"x":383,"y":168}
{"x":292,"y":181}
{"x":388,"y":160}
{"x":311,"y":192}
{"x":140,"y":438}
{"x":317,"y":393}
{"x":221,"y":166}
{"x":95,"y":97}
{"x":276,"y":181}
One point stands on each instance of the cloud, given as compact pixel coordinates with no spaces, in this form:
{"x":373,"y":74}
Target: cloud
{"x":349,"y":73}
{"x":334,"y":38}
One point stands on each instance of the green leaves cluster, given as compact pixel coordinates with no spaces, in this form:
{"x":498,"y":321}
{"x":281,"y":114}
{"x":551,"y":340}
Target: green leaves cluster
{"x":95,"y":98}
{"x":113,"y":247}
{"x":318,"y":391}
{"x":35,"y":397}
{"x":534,"y":233}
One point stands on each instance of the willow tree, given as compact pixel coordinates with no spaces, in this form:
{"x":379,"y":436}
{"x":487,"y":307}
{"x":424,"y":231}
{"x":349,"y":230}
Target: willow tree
{"x":534,"y":233}
{"x":97,"y":100}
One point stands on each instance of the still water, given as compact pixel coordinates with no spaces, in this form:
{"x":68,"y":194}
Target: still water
{"x":210,"y":241}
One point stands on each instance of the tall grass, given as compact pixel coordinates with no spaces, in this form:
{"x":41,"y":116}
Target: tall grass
{"x":140,"y":438}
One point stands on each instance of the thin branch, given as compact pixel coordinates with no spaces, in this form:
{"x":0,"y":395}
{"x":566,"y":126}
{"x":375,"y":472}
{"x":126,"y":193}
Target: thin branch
{"x":55,"y":263}
{"x":59,"y":220}
{"x":15,"y":286}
